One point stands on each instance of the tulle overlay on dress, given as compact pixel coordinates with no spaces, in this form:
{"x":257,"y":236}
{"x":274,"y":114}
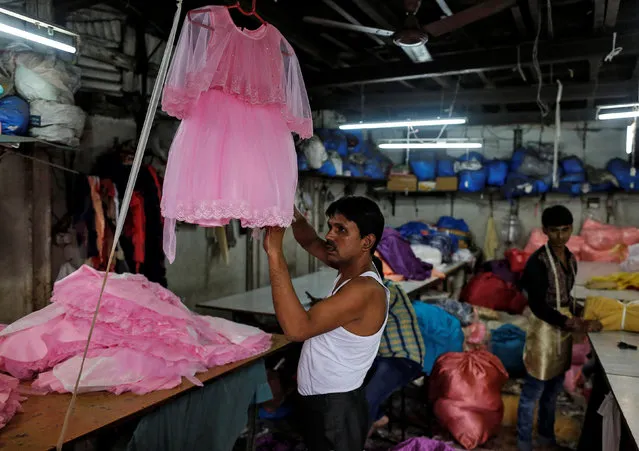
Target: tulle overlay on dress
{"x":240,"y":94}
{"x":145,"y":339}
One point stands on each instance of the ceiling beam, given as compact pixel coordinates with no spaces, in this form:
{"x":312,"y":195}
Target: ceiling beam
{"x":612,"y":11}
{"x":375,"y":16}
{"x":503,"y":95}
{"x":519,"y":20}
{"x":598,"y":14}
{"x":475,"y":61}
{"x":487,"y":81}
{"x":533,"y":9}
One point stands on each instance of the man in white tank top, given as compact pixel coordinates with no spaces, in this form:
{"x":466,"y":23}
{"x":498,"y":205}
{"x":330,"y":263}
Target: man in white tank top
{"x":341,"y":334}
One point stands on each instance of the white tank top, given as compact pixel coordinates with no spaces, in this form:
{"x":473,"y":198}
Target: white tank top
{"x":337,"y":361}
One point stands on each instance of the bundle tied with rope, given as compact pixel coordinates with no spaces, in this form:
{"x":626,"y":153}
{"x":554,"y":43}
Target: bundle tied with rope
{"x":135,"y":169}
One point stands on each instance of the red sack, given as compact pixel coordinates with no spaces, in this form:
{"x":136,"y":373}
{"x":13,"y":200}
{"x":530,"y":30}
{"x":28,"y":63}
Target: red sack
{"x":517,"y":259}
{"x":538,"y":239}
{"x":488,"y":290}
{"x":465,"y":390}
{"x":601,"y":236}
{"x":615,"y":255}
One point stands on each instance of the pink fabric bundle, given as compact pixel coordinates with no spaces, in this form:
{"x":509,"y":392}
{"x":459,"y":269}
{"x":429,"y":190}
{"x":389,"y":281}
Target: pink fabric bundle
{"x":145,"y":339}
{"x":607,"y":243}
{"x":10,"y":399}
{"x":579,"y":357}
{"x":538,"y":239}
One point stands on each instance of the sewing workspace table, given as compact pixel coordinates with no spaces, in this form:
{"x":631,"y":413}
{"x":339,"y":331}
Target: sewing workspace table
{"x":617,"y":371}
{"x":588,"y":270}
{"x":38,"y":427}
{"x":260,"y":302}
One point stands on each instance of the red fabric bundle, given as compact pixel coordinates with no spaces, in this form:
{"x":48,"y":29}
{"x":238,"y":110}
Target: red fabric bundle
{"x":538,"y":239}
{"x":465,"y":389}
{"x":517,"y":259}
{"x":488,"y":290}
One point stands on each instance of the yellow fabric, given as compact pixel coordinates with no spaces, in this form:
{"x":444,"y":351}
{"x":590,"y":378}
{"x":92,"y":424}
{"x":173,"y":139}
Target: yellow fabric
{"x":618,"y":281}
{"x":486,"y":313}
{"x":610,"y":312}
{"x":491,"y":242}
{"x":548,"y":349}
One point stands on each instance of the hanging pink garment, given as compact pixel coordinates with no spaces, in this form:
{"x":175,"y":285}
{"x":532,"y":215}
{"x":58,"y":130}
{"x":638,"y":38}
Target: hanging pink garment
{"x":240,"y":94}
{"x":145,"y":339}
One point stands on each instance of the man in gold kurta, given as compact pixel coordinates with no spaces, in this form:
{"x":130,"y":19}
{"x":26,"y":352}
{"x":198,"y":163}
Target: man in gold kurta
{"x":547,"y":282}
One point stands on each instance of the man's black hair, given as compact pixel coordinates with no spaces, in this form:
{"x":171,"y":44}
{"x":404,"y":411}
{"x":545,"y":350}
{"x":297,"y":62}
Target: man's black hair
{"x":556,"y":216}
{"x":363,"y":212}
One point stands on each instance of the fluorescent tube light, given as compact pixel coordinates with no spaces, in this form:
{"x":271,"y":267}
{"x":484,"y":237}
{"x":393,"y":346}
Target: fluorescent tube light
{"x":419,"y":123}
{"x":630,"y":137}
{"x":35,"y":38}
{"x":620,"y":115}
{"x":432,"y":145}
{"x":4,"y":28}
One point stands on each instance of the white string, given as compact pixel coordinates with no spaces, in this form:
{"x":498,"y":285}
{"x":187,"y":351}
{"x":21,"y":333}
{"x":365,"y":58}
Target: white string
{"x":555,"y":163}
{"x":135,"y":169}
{"x":615,"y":50}
{"x":519,"y":69}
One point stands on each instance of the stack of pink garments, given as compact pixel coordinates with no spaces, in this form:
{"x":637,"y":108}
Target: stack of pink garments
{"x":10,"y":399}
{"x":145,"y":339}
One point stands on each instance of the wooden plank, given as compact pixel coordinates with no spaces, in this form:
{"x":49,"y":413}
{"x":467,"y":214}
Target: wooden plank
{"x":38,"y":427}
{"x":41,"y":230}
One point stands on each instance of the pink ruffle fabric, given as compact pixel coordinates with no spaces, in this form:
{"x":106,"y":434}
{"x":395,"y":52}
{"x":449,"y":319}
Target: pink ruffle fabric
{"x":10,"y":399}
{"x":240,"y":94}
{"x":145,"y":339}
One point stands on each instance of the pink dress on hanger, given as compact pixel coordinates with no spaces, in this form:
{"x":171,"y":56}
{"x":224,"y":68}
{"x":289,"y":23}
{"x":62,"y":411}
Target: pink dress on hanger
{"x":240,"y":94}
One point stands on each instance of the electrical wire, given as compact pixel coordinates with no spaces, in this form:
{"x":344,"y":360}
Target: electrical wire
{"x":451,"y":108}
{"x":543,"y":107}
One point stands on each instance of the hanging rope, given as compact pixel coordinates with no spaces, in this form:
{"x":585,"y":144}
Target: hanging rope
{"x":135,"y":169}
{"x":555,"y":162}
{"x":615,"y":50}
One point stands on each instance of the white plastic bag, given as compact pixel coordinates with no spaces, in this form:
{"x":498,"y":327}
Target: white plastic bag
{"x":56,"y":134}
{"x":43,"y":77}
{"x":314,"y":151}
{"x":45,"y":113}
{"x":631,"y":264}
{"x":337,"y":162}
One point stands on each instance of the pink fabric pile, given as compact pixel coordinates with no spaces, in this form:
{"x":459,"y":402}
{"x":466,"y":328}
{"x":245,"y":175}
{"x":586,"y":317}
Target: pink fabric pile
{"x":10,"y":399}
{"x":145,"y":339}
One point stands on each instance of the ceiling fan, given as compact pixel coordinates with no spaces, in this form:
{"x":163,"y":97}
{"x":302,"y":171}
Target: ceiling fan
{"x":411,"y":36}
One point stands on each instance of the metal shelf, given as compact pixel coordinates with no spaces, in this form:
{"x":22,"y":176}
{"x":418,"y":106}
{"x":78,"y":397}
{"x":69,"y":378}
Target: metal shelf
{"x":15,"y":141}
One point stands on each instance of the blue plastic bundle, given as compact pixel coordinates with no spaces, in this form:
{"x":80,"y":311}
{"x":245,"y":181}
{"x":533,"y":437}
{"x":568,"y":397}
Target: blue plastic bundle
{"x":328,"y":168}
{"x":333,"y":140}
{"x":441,"y":332}
{"x":621,"y":170}
{"x":302,"y":162}
{"x":472,"y":181}
{"x":448,"y":222}
{"x":14,"y":115}
{"x":424,"y":169}
{"x":413,"y":229}
{"x":446,"y":243}
{"x":572,"y":165}
{"x":446,"y":167}
{"x":507,"y":343}
{"x":497,"y":172}
{"x":471,"y":156}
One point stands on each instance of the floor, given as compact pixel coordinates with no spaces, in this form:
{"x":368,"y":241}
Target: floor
{"x":280,"y":435}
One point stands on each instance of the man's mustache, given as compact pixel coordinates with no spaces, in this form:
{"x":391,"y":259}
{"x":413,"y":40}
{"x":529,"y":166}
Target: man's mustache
{"x":330,"y":244}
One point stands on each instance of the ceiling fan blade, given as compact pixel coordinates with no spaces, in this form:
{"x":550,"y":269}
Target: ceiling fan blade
{"x":348,"y":26}
{"x":417,"y":53}
{"x":467,"y":16}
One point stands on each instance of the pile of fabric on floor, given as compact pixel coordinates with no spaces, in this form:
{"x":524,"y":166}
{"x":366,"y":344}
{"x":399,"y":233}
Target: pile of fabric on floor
{"x":10,"y":398}
{"x":144,"y":339}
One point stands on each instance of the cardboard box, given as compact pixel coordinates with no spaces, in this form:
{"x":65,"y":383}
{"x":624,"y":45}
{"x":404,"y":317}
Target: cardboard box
{"x":402,"y":183}
{"x":446,"y":184}
{"x":426,"y":186}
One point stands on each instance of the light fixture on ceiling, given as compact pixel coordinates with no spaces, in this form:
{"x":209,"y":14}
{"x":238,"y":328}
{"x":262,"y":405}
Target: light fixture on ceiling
{"x":432,"y":145}
{"x":631,"y":131}
{"x":51,"y":29}
{"x":627,"y":111}
{"x":396,"y":124}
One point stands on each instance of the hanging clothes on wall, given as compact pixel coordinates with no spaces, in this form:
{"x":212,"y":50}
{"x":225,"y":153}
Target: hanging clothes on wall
{"x":240,"y":94}
{"x":96,"y":206}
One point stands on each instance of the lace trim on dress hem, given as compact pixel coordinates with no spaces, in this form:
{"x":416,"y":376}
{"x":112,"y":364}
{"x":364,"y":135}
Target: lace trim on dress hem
{"x":249,"y":217}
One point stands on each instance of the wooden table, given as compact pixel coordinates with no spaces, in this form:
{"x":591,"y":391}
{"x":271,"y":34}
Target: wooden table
{"x":38,"y":427}
{"x":260,"y":301}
